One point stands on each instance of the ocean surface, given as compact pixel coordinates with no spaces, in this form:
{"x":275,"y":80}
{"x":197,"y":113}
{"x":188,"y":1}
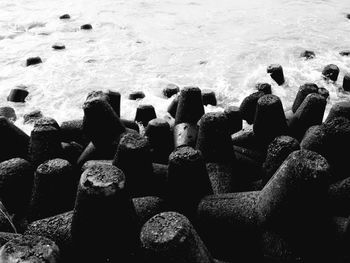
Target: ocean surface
{"x":223,"y":45}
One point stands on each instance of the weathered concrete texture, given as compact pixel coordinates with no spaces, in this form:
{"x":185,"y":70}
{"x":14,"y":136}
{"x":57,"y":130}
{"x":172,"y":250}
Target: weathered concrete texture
{"x":188,"y":180}
{"x":326,"y":242}
{"x":56,"y":228}
{"x":337,"y":142}
{"x":248,"y":106}
{"x":46,"y":121}
{"x":45,"y":144}
{"x":228,"y":226}
{"x":53,"y":190}
{"x":92,"y":163}
{"x":297,"y":189}
{"x":6,"y":236}
{"x":14,"y":142}
{"x":209,"y":97}
{"x":147,"y":207}
{"x":170,"y":237}
{"x":130,"y":124}
{"x":339,"y":197}
{"x":214,"y":140}
{"x":30,"y":249}
{"x":133,"y":157}
{"x":234,"y":118}
{"x":145,"y":113}
{"x":8,"y":112}
{"x":331,"y":139}
{"x":92,"y":153}
{"x":221,"y":177}
{"x":309,"y":113}
{"x":16,"y":176}
{"x":340,"y":238}
{"x":190,"y":105}
{"x":275,"y":248}
{"x":73,"y":131}
{"x":339,"y":109}
{"x":113,"y":98}
{"x":185,"y":134}
{"x":270,"y":120}
{"x":264,"y":87}
{"x":246,"y":139}
{"x":257,"y":156}
{"x":160,"y":175}
{"x":314,"y":139}
{"x":247,"y":168}
{"x":324,"y":92}
{"x":278,"y":150}
{"x":303,"y":91}
{"x":32,"y":116}
{"x":161,"y":140}
{"x":103,"y":211}
{"x":101,"y":124}
{"x":71,"y":151}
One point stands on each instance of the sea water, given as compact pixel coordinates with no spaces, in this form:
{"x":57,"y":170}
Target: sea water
{"x":223,"y":45}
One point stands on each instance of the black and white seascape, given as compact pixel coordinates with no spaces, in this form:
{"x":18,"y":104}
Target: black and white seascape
{"x":174,"y":131}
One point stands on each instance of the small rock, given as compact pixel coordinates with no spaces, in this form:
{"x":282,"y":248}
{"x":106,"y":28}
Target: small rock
{"x":264,"y":87}
{"x":58,"y":46}
{"x":345,"y":53}
{"x":346,"y":82}
{"x":18,"y":94}
{"x":248,"y":106}
{"x":276,"y":73}
{"x":32,"y":116}
{"x":172,"y":107}
{"x":307,"y":54}
{"x":27,"y":248}
{"x":145,"y":113}
{"x":8,"y":113}
{"x":209,"y":97}
{"x":136,"y":95}
{"x":331,"y":72}
{"x":170,"y":90}
{"x":65,"y":16}
{"x":33,"y":61}
{"x":324,"y":92}
{"x":86,"y":27}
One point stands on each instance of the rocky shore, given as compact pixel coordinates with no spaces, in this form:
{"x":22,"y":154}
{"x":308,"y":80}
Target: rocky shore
{"x":194,"y":187}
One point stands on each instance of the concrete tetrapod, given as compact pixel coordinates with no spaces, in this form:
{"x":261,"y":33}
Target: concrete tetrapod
{"x":170,"y":237}
{"x":103,"y":211}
